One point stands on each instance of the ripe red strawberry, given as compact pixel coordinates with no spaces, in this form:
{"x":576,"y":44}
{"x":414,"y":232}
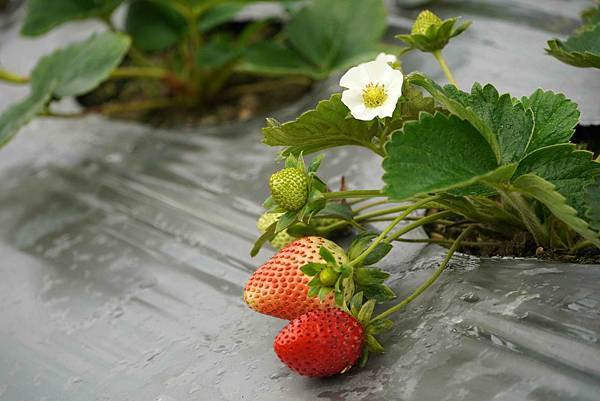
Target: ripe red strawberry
{"x":320,"y":343}
{"x":280,"y":289}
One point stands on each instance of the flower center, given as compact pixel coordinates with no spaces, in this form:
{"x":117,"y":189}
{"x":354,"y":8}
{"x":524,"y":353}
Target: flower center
{"x":374,"y":95}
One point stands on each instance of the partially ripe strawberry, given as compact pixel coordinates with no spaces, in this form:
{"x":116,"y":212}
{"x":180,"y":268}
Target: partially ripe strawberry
{"x":280,"y":289}
{"x":320,"y":343}
{"x":289,"y":188}
{"x":282,"y":238}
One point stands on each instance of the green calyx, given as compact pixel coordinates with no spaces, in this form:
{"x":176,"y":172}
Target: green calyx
{"x":430,"y":33}
{"x":289,"y":188}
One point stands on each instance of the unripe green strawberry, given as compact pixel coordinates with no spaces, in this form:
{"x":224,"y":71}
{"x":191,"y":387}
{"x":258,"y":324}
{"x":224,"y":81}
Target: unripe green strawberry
{"x":282,"y":238}
{"x":424,"y":20}
{"x":280,"y":289}
{"x":320,"y":343}
{"x":289,"y":188}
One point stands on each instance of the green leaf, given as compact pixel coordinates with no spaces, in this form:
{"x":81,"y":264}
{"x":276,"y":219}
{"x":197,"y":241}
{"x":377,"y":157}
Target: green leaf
{"x":274,"y":58}
{"x":374,"y":345}
{"x":154,"y":26}
{"x":435,"y":154}
{"x":580,"y":50}
{"x":80,"y":67}
{"x":360,"y":243}
{"x":333,"y":34}
{"x":543,"y":191}
{"x":366,"y":311}
{"x":315,"y":163}
{"x":378,"y":292}
{"x":370,"y":275}
{"x":592,"y":201}
{"x":381,"y":249}
{"x":217,"y":52}
{"x":44,"y":15}
{"x":571,"y":171}
{"x":436,"y":37}
{"x":356,"y":303}
{"x":220,"y":14}
{"x":312,"y":269}
{"x":321,"y":128}
{"x":268,"y":235}
{"x":555,"y":118}
{"x":19,"y":114}
{"x":379,"y":325}
{"x":327,"y":255}
{"x":286,"y":220}
{"x":336,"y":210}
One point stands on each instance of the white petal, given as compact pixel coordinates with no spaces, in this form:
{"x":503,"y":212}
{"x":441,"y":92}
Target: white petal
{"x":367,"y":115}
{"x":376,"y":70}
{"x":392,"y":77}
{"x":355,"y":78}
{"x":386,"y":58}
{"x":387,"y":109}
{"x":352,"y":98}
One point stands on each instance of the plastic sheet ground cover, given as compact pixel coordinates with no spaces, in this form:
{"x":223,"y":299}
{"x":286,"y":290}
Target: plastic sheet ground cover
{"x":123,"y":255}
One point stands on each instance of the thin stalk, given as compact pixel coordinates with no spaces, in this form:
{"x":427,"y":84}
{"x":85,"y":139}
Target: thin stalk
{"x":8,"y":76}
{"x":142,"y":105}
{"x":448,"y":242}
{"x":438,"y":56}
{"x":361,"y":193}
{"x":528,"y":216}
{"x":370,"y":205}
{"x":421,"y":222}
{"x":141,"y":72}
{"x":431,"y":279}
{"x":389,"y":228}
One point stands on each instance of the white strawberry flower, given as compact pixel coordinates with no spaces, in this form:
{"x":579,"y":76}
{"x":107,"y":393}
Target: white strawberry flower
{"x":386,"y":58}
{"x":373,"y":90}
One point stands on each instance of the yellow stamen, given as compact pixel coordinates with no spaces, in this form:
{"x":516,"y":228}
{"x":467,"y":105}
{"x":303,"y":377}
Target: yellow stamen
{"x":374,"y":95}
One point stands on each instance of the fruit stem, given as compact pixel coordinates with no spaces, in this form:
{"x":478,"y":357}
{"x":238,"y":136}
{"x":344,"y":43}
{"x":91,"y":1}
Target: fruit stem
{"x":389,"y":228}
{"x":421,"y":222}
{"x":431,"y":279}
{"x":438,"y":56}
{"x":361,"y":193}
{"x":12,"y":78}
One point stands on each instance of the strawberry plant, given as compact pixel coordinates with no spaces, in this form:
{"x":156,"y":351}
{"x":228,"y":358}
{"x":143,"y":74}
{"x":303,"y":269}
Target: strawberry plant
{"x":189,"y":57}
{"x":480,"y":171}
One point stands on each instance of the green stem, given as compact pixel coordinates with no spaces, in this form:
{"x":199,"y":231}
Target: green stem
{"x":141,"y":72}
{"x":421,"y":222}
{"x":361,"y":193}
{"x":528,"y":216}
{"x":431,"y":279}
{"x":389,"y":228}
{"x":448,"y":242}
{"x":438,"y":56}
{"x":12,"y":78}
{"x":370,"y":205}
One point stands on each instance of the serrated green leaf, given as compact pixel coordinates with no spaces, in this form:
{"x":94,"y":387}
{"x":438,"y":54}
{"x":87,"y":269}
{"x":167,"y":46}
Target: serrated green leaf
{"x":44,"y":15}
{"x":312,"y":269}
{"x":332,"y":34}
{"x":337,"y":210}
{"x":555,"y":118}
{"x":543,"y":191}
{"x":322,"y":128}
{"x":592,"y":203}
{"x":19,"y":114}
{"x":435,"y":154}
{"x":580,"y":50}
{"x":82,"y":66}
{"x":570,"y":170}
{"x":154,"y":26}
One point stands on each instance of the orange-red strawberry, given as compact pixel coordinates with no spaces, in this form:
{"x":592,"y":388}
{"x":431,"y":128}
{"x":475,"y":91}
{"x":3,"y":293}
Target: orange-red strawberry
{"x":320,"y":343}
{"x":280,"y":289}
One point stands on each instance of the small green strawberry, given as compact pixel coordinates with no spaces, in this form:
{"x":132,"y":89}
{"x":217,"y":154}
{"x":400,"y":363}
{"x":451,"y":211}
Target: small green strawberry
{"x":289,"y":188}
{"x":321,"y":343}
{"x":424,"y":20}
{"x":280,"y":289}
{"x":282,"y":238}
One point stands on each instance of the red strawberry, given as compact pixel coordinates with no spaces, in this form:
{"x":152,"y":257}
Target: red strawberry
{"x":320,"y":343}
{"x":279,"y":288}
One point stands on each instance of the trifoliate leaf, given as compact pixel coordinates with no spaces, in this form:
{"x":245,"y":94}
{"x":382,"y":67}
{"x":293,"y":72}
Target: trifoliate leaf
{"x":580,"y":50}
{"x":435,"y":154}
{"x":321,"y":128}
{"x":571,"y":171}
{"x":82,"y":66}
{"x":555,"y":118}
{"x":43,"y":15}
{"x":543,"y":191}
